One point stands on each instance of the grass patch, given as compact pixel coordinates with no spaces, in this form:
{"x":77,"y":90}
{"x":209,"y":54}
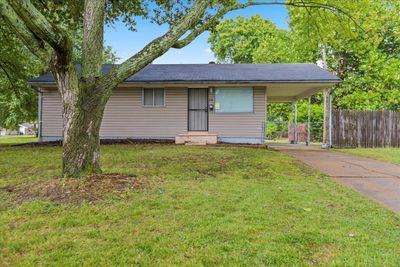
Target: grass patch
{"x":208,"y":206}
{"x":16,"y":139}
{"x":391,"y":155}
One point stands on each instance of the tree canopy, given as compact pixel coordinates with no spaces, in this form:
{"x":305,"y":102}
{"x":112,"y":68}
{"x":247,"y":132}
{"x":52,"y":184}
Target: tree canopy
{"x":363,"y":47}
{"x":18,"y":100}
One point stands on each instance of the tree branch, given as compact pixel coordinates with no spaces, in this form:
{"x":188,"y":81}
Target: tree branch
{"x":37,"y":46}
{"x":38,"y":24}
{"x":92,"y":43}
{"x":212,"y":22}
{"x":154,"y":49}
{"x":3,"y":68}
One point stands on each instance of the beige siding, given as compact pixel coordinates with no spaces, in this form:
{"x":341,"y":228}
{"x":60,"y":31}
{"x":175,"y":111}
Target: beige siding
{"x":125,"y":115}
{"x":241,"y":125}
{"x":51,"y":114}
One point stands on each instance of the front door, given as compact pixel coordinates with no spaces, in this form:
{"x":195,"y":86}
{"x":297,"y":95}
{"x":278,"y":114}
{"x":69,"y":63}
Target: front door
{"x":198,"y":109}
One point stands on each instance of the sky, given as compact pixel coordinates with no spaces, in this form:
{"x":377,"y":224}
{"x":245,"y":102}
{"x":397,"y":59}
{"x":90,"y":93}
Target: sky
{"x":125,"y":43}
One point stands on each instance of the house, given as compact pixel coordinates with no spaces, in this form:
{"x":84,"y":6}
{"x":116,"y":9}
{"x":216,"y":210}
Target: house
{"x":202,"y":103}
{"x":4,"y":131}
{"x":26,"y":129}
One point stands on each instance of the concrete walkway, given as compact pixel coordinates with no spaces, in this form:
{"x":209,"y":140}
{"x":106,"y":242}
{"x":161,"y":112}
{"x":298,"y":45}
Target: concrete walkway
{"x":379,"y":181}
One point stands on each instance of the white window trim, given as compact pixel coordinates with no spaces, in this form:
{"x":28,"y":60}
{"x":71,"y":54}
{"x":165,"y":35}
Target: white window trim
{"x":234,"y":112}
{"x":153,"y":106}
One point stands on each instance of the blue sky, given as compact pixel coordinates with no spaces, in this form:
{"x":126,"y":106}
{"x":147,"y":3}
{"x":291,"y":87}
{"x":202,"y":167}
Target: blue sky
{"x":126,"y":43}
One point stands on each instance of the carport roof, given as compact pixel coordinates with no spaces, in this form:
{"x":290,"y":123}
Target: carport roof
{"x":220,"y":73}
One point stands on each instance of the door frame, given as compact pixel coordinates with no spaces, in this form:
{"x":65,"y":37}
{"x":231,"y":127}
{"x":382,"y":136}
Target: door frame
{"x":188,"y":109}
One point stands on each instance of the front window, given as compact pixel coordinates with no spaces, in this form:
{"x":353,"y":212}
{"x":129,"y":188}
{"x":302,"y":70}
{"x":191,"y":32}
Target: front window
{"x":233,"y":99}
{"x":153,"y":97}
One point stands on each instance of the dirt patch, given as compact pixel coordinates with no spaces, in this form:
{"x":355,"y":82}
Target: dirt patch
{"x":75,"y":191}
{"x":127,"y":141}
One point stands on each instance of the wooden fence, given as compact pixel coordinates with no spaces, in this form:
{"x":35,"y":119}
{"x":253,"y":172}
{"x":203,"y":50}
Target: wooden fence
{"x":365,"y":128}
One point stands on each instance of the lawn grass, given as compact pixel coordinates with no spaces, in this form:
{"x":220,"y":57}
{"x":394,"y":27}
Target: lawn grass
{"x":391,"y":155}
{"x":206,"y":206}
{"x":16,"y":139}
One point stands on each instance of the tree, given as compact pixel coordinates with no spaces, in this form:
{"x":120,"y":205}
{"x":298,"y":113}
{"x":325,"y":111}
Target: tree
{"x":18,"y":100}
{"x":365,"y":53}
{"x":363,"y":50}
{"x":254,"y":40}
{"x":45,"y":27}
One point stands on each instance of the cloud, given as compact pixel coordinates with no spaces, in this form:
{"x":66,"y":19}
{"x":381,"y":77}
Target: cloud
{"x":207,"y":50}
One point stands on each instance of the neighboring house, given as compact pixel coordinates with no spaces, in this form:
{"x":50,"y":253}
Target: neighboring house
{"x":192,"y":102}
{"x":26,"y":129}
{"x":4,"y":131}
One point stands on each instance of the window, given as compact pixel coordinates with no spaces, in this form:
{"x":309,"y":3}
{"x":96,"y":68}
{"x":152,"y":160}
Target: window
{"x":233,"y":100}
{"x":153,"y":97}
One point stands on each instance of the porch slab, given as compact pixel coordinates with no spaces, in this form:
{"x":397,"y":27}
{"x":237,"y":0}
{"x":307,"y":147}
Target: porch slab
{"x":196,"y":138}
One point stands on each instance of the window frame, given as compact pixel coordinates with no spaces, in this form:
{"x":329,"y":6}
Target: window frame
{"x":234,"y":112}
{"x":153,"y":98}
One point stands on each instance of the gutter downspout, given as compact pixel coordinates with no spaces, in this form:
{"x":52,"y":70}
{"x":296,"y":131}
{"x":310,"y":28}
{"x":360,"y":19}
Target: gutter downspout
{"x":330,"y":120}
{"x":295,"y":124}
{"x":265,"y":124}
{"x":308,"y":121}
{"x":40,"y":116}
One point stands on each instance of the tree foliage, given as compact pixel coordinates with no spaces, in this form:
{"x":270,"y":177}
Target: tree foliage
{"x":18,"y":100}
{"x":253,"y":40}
{"x":363,"y":47}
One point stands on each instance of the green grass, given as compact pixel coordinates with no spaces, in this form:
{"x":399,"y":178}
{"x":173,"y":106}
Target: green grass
{"x":16,"y":139}
{"x":391,"y":155}
{"x":207,"y":206}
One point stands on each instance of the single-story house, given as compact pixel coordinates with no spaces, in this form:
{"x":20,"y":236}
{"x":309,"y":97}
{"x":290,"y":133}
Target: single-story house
{"x":191,"y":102}
{"x":26,"y":129}
{"x":4,"y":131}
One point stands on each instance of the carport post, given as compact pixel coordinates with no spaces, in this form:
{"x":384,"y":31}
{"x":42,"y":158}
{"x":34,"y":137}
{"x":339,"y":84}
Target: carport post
{"x":308,"y":121}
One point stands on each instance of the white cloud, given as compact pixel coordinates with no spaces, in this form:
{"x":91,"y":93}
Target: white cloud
{"x":207,"y":50}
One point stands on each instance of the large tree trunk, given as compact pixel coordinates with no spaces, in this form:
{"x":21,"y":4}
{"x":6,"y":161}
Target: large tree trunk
{"x":84,"y":96}
{"x":83,"y":107}
{"x":81,"y":138}
{"x":84,"y":99}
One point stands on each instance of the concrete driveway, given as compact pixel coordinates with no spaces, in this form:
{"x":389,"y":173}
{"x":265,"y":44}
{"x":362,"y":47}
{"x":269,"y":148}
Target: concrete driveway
{"x":379,"y":181}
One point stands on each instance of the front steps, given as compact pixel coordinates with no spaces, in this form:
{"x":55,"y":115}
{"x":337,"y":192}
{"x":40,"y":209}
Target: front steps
{"x":196,"y":138}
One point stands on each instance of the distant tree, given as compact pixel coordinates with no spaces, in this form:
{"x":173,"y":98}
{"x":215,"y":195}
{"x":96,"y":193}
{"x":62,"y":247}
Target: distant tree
{"x":253,"y":40}
{"x":363,"y":50}
{"x":18,"y":101}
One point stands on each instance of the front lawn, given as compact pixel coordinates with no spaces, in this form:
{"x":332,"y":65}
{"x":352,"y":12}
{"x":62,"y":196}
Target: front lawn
{"x":201,"y":206}
{"x":17,"y":139}
{"x":391,"y":155}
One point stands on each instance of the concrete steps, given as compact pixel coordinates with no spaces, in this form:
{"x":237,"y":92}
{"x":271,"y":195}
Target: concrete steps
{"x":196,"y":138}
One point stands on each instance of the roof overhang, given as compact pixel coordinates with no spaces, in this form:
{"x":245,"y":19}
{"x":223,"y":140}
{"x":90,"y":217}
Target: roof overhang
{"x":277,"y":91}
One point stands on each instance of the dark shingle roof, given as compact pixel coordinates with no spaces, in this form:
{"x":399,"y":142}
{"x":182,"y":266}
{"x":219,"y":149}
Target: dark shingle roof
{"x":195,"y":73}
